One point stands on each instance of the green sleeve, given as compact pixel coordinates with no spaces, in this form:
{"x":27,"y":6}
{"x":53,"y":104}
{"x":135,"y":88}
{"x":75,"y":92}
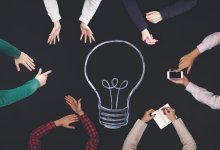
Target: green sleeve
{"x":8,"y":97}
{"x":9,"y":49}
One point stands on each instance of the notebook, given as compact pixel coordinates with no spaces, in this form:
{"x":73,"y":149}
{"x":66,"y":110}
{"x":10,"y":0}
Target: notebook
{"x":161,"y":119}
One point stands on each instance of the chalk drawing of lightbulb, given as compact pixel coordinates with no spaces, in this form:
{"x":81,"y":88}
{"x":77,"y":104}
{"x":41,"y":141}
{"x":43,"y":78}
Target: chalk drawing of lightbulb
{"x":111,"y":116}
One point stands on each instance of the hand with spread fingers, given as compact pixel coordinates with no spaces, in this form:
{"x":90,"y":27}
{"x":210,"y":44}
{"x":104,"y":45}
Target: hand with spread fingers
{"x":75,"y":105}
{"x":186,"y":61}
{"x":25,"y":60}
{"x":147,"y":116}
{"x":55,"y":34}
{"x":66,"y":121}
{"x":148,"y":38}
{"x":86,"y":32}
{"x":154,"y":17}
{"x":42,"y":77}
{"x":170,"y":113}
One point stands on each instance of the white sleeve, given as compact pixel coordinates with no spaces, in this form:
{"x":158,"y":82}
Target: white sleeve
{"x":89,"y":9}
{"x":134,"y":136}
{"x":184,"y":135}
{"x":52,"y":9}
{"x":209,"y":42}
{"x":204,"y":96}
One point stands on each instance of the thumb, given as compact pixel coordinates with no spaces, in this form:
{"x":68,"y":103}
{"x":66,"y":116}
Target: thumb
{"x":70,"y":127}
{"x":149,"y":13}
{"x":80,"y":101}
{"x":189,"y":68}
{"x":17,"y":66}
{"x":39,"y":72}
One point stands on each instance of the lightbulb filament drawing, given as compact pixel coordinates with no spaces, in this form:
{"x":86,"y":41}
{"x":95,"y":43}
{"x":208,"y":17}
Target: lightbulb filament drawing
{"x":112,"y":117}
{"x":114,"y":85}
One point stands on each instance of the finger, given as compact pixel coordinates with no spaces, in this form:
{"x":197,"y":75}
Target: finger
{"x":30,"y":65}
{"x":179,"y":69}
{"x":70,"y":127}
{"x":73,"y":116}
{"x":47,"y":73}
{"x":188,"y":69}
{"x":182,"y":66}
{"x":39,"y":72}
{"x":81,"y":37}
{"x":54,"y":40}
{"x":151,"y":110}
{"x":85,"y":38}
{"x":182,"y":58}
{"x":29,"y":58}
{"x":79,"y":101}
{"x":93,"y":38}
{"x":74,"y":119}
{"x":58,"y":38}
{"x":149,"y":13}
{"x":70,"y":97}
{"x":17,"y":66}
{"x":50,"y":39}
{"x":90,"y":40}
{"x":181,"y":61}
{"x":29,"y":68}
{"x":70,"y":104}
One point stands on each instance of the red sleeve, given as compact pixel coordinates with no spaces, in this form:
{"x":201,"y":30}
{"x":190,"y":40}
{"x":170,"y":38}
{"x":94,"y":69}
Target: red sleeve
{"x":93,"y":142}
{"x":38,"y":133}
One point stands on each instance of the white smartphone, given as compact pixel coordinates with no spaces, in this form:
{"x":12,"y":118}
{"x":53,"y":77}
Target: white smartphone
{"x":174,"y":74}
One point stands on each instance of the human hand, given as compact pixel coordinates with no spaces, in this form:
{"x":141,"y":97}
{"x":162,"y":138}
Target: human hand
{"x":187,"y":60}
{"x":55,"y":33}
{"x":148,"y":38}
{"x":74,"y":104}
{"x":147,"y":116}
{"x":170,"y":113}
{"x":42,"y":77}
{"x":25,"y":60}
{"x":154,"y":16}
{"x":183,"y":81}
{"x":86,"y":32}
{"x":66,"y":121}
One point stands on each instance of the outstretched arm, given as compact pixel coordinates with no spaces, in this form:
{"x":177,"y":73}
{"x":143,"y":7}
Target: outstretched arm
{"x":9,"y":49}
{"x":135,"y":14}
{"x":20,"y":57}
{"x":184,"y":135}
{"x":204,"y":96}
{"x":52,"y":10}
{"x":134,"y":136}
{"x":89,"y":9}
{"x":38,"y":133}
{"x":93,"y":142}
{"x":177,"y":8}
{"x":8,"y":97}
{"x":209,"y":42}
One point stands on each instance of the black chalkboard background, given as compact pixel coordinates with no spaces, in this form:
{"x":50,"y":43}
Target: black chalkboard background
{"x":26,"y":25}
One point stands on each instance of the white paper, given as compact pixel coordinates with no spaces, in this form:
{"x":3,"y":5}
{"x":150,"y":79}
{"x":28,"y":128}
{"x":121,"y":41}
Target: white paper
{"x":161,"y":119}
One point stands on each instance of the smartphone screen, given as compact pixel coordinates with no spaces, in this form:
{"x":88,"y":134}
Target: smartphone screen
{"x":175,"y":74}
